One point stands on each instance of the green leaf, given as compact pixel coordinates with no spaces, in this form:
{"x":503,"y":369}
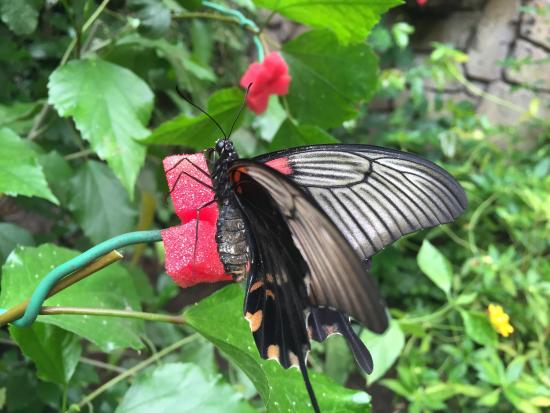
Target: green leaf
{"x":154,"y":17}
{"x":338,"y":358}
{"x":99,"y":202}
{"x":18,"y":116}
{"x":435,"y":265}
{"x":281,"y":389}
{"x":55,"y":352}
{"x":290,"y":135}
{"x":20,"y":172}
{"x":12,"y":236}
{"x":199,"y":131}
{"x":478,"y":328}
{"x":268,"y":123}
{"x":328,"y":79}
{"x":489,"y":367}
{"x":350,"y":20}
{"x":21,"y":16}
{"x":384,"y":348}
{"x":109,"y":288}
{"x":490,"y":399}
{"x":110,"y":106}
{"x":58,"y":172}
{"x":181,"y":387}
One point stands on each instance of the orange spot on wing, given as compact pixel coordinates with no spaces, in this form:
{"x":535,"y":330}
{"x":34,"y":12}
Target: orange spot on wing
{"x":255,"y":320}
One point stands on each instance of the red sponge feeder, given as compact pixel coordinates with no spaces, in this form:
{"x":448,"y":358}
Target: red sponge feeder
{"x":191,"y":249}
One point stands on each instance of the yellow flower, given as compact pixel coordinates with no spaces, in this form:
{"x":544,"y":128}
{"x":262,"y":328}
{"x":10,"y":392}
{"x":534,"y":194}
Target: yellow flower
{"x":500,"y":320}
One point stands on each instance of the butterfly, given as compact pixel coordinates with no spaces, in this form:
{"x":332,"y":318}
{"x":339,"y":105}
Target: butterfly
{"x":302,"y":224}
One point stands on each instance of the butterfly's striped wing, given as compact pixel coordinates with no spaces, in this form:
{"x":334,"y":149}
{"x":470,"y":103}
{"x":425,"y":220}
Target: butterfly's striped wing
{"x":373,"y":195}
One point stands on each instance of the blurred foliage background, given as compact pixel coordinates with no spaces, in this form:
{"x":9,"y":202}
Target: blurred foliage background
{"x":88,"y":109}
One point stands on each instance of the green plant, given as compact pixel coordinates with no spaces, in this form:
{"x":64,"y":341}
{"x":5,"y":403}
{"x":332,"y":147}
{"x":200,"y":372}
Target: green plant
{"x":89,"y":108}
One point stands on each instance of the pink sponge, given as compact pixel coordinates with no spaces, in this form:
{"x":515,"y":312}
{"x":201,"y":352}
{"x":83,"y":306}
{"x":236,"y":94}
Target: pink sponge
{"x":190,"y":187}
{"x":180,"y":245}
{"x":190,"y":259}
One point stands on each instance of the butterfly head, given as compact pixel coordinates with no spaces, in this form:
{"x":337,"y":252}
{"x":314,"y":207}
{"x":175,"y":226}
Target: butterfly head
{"x":225,"y":149}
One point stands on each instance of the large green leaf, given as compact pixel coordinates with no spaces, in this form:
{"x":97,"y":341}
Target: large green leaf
{"x":199,"y":131}
{"x":219,"y":319}
{"x":384,"y":348}
{"x":10,"y":237}
{"x":20,"y":172}
{"x":182,"y":388}
{"x":108,"y":288}
{"x":110,"y":106}
{"x":435,"y":265}
{"x":99,"y":203}
{"x":290,"y":135}
{"x":54,"y":351}
{"x":350,"y":20}
{"x":21,"y":16}
{"x":328,"y":79}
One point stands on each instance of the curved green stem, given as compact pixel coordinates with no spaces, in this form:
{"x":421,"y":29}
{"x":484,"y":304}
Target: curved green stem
{"x":57,"y":274}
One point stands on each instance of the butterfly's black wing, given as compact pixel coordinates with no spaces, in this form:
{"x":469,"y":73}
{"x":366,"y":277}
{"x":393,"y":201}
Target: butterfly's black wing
{"x":373,"y":195}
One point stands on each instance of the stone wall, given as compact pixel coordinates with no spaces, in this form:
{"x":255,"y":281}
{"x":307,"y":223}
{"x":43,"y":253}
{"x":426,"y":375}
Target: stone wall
{"x":490,"y":32}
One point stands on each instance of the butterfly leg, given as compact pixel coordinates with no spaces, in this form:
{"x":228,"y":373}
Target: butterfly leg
{"x":197,"y":212}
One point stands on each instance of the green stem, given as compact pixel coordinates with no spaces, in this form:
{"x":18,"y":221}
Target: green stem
{"x":475,"y":218}
{"x":214,"y":16}
{"x":132,"y":371}
{"x":428,"y":317}
{"x":111,"y":312}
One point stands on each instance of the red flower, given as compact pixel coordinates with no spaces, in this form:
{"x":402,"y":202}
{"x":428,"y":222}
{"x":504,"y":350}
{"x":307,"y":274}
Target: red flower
{"x":189,"y":259}
{"x":421,"y":2}
{"x":269,"y":77}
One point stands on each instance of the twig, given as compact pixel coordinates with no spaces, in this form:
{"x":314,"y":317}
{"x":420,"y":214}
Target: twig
{"x":17,"y":311}
{"x":102,"y":365}
{"x":112,"y":312}
{"x":130,"y":372}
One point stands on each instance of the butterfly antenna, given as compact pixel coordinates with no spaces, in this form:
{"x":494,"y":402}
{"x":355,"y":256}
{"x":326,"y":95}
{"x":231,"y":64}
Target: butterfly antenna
{"x":240,"y":110}
{"x":309,"y":387}
{"x":188,"y":100}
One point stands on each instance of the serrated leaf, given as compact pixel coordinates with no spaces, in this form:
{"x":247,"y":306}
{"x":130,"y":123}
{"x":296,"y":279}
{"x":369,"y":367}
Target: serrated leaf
{"x":281,"y":389}
{"x":384,"y":348}
{"x":350,"y":20}
{"x":478,"y":328}
{"x":55,"y":352}
{"x":99,"y":203}
{"x":109,"y":288}
{"x":110,"y":106}
{"x":328,"y":79}
{"x":290,"y":135}
{"x":20,"y":172}
{"x":12,"y":236}
{"x":200,"y":132}
{"x":435,"y":265}
{"x":181,"y":387}
{"x":21,"y":16}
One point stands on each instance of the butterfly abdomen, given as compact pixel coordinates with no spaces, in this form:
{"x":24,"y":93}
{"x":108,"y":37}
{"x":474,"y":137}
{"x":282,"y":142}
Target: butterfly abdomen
{"x":232,"y":241}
